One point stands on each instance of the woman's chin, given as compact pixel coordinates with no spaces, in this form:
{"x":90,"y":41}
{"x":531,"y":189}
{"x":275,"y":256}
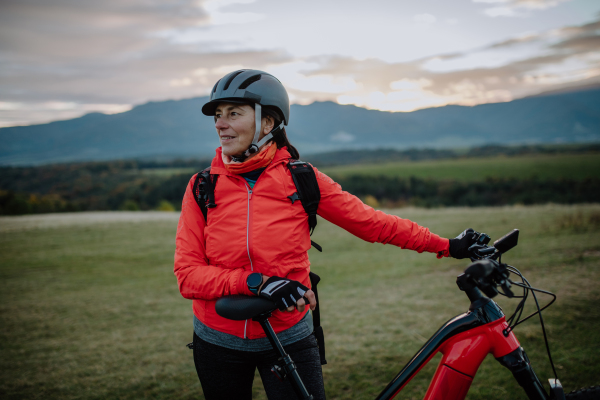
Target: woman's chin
{"x":231,"y":151}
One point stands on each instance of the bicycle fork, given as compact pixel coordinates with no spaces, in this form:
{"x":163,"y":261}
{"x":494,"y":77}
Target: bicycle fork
{"x":518,"y":363}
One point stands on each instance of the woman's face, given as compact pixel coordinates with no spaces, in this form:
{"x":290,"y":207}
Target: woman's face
{"x":235,"y":127}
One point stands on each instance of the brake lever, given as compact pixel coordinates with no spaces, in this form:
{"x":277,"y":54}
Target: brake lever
{"x":507,"y":292}
{"x":474,"y":249}
{"x":480,"y":251}
{"x":504,"y":282}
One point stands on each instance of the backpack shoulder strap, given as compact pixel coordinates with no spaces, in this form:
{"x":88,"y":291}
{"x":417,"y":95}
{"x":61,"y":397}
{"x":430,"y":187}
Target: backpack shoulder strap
{"x":309,"y":194}
{"x":308,"y":191}
{"x":204,"y":191}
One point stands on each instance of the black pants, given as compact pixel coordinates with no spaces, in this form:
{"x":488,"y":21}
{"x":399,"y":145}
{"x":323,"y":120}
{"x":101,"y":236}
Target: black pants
{"x":228,"y":374}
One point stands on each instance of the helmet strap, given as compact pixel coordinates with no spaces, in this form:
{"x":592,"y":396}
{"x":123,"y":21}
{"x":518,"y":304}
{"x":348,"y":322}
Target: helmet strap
{"x":256,"y":145}
{"x":257,"y":122}
{"x":270,"y":135}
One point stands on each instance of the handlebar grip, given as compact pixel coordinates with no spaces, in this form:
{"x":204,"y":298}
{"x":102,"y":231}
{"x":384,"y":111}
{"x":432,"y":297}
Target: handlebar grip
{"x":487,"y":250}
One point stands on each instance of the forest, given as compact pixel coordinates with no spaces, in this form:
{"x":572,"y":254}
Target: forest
{"x":490,"y":175}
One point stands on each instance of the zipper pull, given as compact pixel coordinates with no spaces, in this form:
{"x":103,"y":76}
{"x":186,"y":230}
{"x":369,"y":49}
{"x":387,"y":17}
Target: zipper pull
{"x":249,"y":194}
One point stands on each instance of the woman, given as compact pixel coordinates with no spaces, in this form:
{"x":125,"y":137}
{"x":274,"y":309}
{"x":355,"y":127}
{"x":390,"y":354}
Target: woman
{"x":255,"y":242}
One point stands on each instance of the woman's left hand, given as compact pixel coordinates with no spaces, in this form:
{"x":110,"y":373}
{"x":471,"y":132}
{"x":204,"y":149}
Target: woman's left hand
{"x":301,"y":304}
{"x":282,"y":291}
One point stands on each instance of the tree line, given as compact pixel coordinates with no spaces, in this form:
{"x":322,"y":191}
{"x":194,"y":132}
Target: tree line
{"x":150,"y":193}
{"x":123,"y":185}
{"x":396,"y":191}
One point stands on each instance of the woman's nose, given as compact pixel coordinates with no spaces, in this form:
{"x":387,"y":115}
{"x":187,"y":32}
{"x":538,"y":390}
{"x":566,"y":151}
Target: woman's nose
{"x":221,"y":124}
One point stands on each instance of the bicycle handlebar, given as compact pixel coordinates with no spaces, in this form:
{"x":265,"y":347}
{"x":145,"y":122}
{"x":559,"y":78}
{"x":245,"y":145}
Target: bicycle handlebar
{"x":485,"y":272}
{"x":480,"y":249}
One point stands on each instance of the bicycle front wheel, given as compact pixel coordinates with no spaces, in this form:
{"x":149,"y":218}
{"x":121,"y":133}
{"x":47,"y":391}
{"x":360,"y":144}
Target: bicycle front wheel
{"x":590,"y":393}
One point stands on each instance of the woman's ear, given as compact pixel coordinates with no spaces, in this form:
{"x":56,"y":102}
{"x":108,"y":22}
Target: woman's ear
{"x":267,"y":125}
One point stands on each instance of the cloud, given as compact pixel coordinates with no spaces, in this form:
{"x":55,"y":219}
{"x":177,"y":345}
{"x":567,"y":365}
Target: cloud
{"x":88,"y":29}
{"x":101,"y":56}
{"x":580,"y":44}
{"x":592,"y":27}
{"x":169,"y":73}
{"x":516,"y":8}
{"x":562,"y":58}
{"x":424,"y":18}
{"x":529,"y":4}
{"x":13,"y":113}
{"x":526,"y":38}
{"x":503,"y":12}
{"x":216,"y":10}
{"x":62,"y":58}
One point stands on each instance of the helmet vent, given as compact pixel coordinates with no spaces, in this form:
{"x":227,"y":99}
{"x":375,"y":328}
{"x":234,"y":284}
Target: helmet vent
{"x":215,"y":87}
{"x":250,"y":81}
{"x":231,"y":78}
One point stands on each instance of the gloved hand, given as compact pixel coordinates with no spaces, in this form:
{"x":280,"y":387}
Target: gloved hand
{"x":459,"y":246}
{"x":283,"y":292}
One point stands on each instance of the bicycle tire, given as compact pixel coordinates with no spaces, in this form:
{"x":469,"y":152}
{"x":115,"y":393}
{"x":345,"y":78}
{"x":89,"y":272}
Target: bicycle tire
{"x":589,"y":393}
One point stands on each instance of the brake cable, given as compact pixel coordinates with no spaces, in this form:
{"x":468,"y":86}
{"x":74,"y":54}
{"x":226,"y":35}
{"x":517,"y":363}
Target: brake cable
{"x":521,"y":306}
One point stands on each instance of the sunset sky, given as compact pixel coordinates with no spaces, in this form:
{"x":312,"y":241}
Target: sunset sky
{"x":60,"y":59}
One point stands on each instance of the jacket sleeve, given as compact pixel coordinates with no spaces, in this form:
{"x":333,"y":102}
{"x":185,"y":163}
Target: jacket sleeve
{"x":349,"y":212}
{"x":197,"y":279}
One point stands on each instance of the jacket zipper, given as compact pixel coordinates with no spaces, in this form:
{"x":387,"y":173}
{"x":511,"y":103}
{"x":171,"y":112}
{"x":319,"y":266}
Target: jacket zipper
{"x":248,"y":241}
{"x":248,"y":226}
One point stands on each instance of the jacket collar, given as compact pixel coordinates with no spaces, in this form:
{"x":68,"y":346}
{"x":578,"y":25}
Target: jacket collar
{"x":217,"y":166}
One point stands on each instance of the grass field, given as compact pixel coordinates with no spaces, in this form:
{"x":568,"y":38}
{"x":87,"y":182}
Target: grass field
{"x":544,"y":166}
{"x":90,"y":308}
{"x":165,"y":172}
{"x":574,"y":166}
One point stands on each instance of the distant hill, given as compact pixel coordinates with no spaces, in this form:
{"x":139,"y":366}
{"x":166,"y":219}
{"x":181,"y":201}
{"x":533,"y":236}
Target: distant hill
{"x":170,"y":129}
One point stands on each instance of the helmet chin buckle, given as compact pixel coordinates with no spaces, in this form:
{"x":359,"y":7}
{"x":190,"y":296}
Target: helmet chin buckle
{"x":252,"y":149}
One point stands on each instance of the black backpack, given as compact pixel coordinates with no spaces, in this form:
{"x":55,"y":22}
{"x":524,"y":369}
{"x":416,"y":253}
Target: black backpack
{"x":307,"y":191}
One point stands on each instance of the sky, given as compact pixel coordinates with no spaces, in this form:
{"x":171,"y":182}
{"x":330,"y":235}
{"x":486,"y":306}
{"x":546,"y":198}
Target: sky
{"x":60,"y":59}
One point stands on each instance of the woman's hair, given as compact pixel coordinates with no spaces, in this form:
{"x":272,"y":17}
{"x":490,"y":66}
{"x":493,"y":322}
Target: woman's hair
{"x":281,"y":138}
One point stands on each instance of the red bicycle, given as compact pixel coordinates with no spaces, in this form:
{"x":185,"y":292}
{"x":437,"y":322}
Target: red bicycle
{"x":464,"y":341}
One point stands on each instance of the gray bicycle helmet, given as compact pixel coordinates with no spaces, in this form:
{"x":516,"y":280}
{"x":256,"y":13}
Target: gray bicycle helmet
{"x":251,"y":86}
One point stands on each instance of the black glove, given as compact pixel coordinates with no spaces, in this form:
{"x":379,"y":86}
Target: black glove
{"x":459,"y":246}
{"x":283,"y":292}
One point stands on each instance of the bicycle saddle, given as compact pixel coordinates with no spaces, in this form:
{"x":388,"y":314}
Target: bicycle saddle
{"x":239,"y":307}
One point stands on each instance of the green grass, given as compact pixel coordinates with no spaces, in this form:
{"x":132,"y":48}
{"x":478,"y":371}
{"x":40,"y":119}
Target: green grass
{"x":574,"y":166}
{"x":165,"y":172}
{"x":93,"y":311}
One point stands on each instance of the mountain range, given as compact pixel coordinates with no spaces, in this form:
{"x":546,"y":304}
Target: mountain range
{"x":177,"y":129}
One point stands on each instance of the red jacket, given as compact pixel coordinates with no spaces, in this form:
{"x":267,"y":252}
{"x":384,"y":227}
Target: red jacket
{"x":261,"y":230}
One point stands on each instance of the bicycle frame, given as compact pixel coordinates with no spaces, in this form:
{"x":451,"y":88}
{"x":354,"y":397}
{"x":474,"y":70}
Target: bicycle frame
{"x":464,"y":342}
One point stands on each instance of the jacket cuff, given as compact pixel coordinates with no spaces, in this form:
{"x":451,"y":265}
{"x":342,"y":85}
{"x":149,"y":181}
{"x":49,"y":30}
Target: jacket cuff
{"x":439,"y":245}
{"x":242,"y":285}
